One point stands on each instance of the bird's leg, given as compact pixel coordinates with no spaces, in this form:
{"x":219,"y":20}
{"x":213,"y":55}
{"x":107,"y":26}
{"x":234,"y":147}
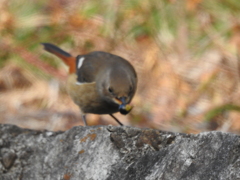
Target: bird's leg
{"x":116,"y":119}
{"x":84,"y":119}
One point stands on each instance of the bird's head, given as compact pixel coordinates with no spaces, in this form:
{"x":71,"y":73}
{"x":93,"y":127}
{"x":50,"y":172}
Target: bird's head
{"x":119,"y":86}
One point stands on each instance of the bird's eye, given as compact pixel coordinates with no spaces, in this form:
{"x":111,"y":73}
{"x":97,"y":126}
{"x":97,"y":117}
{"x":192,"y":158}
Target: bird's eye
{"x":131,"y":88}
{"x":110,"y":90}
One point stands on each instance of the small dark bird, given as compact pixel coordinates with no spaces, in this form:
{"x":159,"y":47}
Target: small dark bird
{"x":98,"y":82}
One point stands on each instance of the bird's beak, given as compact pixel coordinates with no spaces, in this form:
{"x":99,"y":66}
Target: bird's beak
{"x":124,"y":108}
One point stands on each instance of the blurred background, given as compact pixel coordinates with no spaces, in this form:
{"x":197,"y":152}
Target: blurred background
{"x":186,"y":54}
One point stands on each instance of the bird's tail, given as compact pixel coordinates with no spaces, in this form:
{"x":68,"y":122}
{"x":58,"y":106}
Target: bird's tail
{"x":69,"y":60}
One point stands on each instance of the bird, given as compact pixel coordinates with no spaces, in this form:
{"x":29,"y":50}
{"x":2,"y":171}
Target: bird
{"x":98,"y":82}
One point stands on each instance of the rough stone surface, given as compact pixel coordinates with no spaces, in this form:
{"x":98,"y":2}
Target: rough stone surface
{"x":117,"y":153}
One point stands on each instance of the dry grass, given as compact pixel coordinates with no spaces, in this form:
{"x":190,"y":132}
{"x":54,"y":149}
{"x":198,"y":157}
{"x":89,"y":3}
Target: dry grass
{"x":186,"y":55}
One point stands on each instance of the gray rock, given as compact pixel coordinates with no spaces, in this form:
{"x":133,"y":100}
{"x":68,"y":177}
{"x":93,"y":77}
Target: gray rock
{"x":117,"y":153}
